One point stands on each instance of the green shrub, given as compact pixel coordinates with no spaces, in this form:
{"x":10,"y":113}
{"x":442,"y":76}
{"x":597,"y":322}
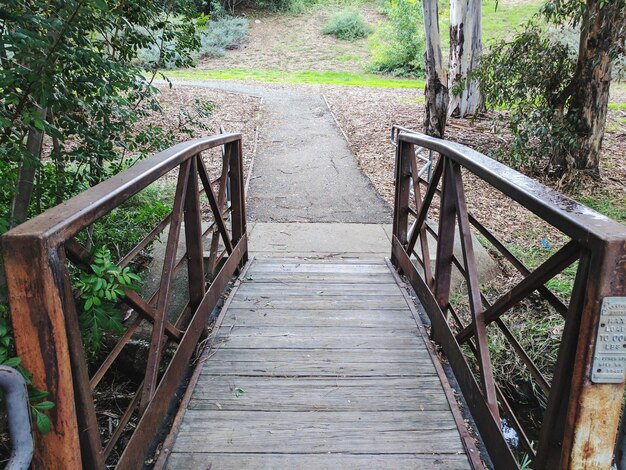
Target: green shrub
{"x":99,"y":293}
{"x":347,"y":25}
{"x":537,"y":101}
{"x":397,"y":47}
{"x":226,"y":32}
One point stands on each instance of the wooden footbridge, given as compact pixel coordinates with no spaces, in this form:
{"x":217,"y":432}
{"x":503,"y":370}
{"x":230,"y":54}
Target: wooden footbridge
{"x":304,"y":363}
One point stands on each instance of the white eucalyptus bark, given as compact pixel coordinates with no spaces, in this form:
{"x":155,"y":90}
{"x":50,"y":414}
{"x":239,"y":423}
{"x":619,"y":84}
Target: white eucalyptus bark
{"x":436,"y":80}
{"x":465,"y":50}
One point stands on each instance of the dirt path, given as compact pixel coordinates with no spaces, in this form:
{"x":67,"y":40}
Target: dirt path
{"x":304,"y":170}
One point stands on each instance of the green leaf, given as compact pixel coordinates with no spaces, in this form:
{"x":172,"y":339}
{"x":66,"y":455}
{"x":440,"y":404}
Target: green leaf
{"x":239,"y":392}
{"x":44,"y":405}
{"x":13,"y":362}
{"x":43,"y":422}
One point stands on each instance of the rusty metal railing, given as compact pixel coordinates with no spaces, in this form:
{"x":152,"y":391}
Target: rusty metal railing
{"x":37,"y":255}
{"x":582,"y":412}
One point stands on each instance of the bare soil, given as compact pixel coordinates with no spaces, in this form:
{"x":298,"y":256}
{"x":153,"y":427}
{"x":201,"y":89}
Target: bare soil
{"x":296,"y":42}
{"x":234,"y":111}
{"x":366,"y":116}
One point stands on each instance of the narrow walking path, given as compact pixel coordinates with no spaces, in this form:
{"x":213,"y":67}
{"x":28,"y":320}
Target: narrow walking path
{"x":304,"y":170}
{"x":318,"y":365}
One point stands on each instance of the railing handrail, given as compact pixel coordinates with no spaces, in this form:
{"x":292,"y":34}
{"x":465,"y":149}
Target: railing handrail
{"x":584,"y":397}
{"x":73,"y":215}
{"x":571,"y":217}
{"x":38,"y":255}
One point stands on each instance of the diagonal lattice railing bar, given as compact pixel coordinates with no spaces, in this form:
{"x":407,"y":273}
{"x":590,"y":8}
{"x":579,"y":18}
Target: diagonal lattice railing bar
{"x":156,"y":341}
{"x":149,"y":238}
{"x":526,"y":360}
{"x":502,"y":400}
{"x":216,"y":208}
{"x":533,"y":369}
{"x":554,"y":301}
{"x":115,"y":351}
{"x":147,"y":312}
{"x":554,"y":265}
{"x":546,"y":293}
{"x":221,"y":200}
{"x":425,"y":206}
{"x":428,"y":276}
{"x":476,"y":308}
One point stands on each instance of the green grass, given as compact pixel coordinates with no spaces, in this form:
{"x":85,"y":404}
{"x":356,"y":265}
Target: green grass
{"x":608,"y":204}
{"x":617,"y":106}
{"x":297,"y":77}
{"x":348,"y":58}
{"x":500,"y":21}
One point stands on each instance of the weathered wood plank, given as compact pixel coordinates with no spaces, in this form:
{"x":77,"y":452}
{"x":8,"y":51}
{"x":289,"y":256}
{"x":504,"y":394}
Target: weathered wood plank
{"x":313,"y":369}
{"x":317,"y":331}
{"x":318,"y":356}
{"x":336,"y":341}
{"x":320,"y":303}
{"x":184,"y":461}
{"x":381,"y":432}
{"x":299,"y":288}
{"x":321,"y":318}
{"x":342,"y":278}
{"x":272,"y":261}
{"x":320,"y":268}
{"x":329,"y":394}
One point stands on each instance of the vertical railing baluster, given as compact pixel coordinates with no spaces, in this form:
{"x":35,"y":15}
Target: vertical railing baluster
{"x":193,"y":238}
{"x":445,"y":243}
{"x":235,"y":151}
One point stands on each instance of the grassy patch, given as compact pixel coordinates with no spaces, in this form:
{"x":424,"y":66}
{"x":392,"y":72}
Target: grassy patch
{"x":608,"y":204}
{"x":500,"y":20}
{"x":349,"y":58}
{"x":617,"y":106}
{"x":297,"y":77}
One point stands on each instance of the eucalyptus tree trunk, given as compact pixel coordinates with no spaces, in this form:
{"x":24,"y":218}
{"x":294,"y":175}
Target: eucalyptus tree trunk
{"x":602,"y":32}
{"x":436,"y":81}
{"x":465,"y":49}
{"x":26,"y":174}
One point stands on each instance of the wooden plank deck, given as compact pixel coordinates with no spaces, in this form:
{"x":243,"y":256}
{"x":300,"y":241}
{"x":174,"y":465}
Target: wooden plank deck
{"x":317,"y":365}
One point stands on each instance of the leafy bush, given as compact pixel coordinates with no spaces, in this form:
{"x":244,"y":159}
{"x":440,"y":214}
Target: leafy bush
{"x":347,"y":25}
{"x":536,"y":101}
{"x":226,"y":32}
{"x":397,"y":47}
{"x":99,"y":293}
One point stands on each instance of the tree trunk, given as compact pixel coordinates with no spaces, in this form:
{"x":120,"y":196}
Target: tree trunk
{"x":26,"y":175}
{"x":436,"y":82}
{"x":602,"y":30}
{"x":465,"y":49}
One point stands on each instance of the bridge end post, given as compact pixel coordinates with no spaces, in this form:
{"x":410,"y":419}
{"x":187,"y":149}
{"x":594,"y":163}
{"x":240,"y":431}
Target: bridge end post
{"x":402,"y":193}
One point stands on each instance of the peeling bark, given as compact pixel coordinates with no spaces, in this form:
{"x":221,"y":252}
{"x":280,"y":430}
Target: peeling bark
{"x":602,"y":30}
{"x":465,"y":50}
{"x":436,"y":81}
